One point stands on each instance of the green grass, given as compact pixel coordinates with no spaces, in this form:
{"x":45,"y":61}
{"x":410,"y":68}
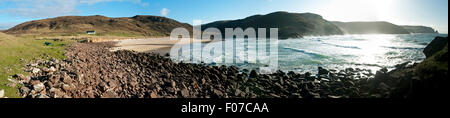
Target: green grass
{"x":435,"y":64}
{"x":13,"y":49}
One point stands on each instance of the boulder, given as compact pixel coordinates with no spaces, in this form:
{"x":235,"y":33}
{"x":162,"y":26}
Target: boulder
{"x":2,"y":93}
{"x":323,"y":71}
{"x":22,"y":78}
{"x":41,"y":96}
{"x":36,"y":70}
{"x":185,"y":93}
{"x":153,"y":95}
{"x":56,"y":93}
{"x":38,"y":87}
{"x":24,"y":91}
{"x":253,"y":74}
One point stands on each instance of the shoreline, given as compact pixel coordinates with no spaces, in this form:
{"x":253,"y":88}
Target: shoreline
{"x":130,"y":74}
{"x":161,"y":45}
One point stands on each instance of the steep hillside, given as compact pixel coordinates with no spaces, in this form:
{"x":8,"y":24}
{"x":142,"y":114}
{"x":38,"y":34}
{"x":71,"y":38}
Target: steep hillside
{"x":137,"y":25}
{"x":291,"y":25}
{"x":378,"y":27}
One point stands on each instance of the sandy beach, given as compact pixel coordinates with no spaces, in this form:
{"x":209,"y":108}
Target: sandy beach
{"x":149,"y":45}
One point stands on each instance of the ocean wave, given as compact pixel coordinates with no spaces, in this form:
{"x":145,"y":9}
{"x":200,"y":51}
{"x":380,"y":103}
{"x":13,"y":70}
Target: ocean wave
{"x":342,"y":46}
{"x":335,"y":45}
{"x":365,"y":64}
{"x":405,"y":48}
{"x":308,"y":52}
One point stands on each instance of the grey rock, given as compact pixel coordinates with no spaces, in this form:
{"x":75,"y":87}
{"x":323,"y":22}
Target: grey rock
{"x":38,"y":87}
{"x":153,"y":95}
{"x":2,"y":93}
{"x":24,"y":91}
{"x":174,"y":84}
{"x":41,"y":96}
{"x":253,"y":74}
{"x":66,"y":87}
{"x":384,"y":87}
{"x":218,"y":92}
{"x":36,"y":70}
{"x":237,"y":92}
{"x":109,"y":94}
{"x":185,"y":93}
{"x":323,"y":71}
{"x":22,"y":78}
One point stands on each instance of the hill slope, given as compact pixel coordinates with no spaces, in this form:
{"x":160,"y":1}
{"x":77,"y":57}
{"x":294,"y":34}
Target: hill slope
{"x":291,"y":25}
{"x":378,"y":27}
{"x":5,"y":39}
{"x":4,"y":36}
{"x":137,"y":25}
{"x":419,"y":29}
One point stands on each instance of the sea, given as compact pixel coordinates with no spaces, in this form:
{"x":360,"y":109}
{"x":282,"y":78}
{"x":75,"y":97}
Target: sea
{"x":338,"y":52}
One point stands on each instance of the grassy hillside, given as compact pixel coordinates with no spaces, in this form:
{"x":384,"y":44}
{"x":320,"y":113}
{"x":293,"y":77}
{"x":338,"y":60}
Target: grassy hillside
{"x":436,"y":64}
{"x":104,"y":26}
{"x":16,"y":52}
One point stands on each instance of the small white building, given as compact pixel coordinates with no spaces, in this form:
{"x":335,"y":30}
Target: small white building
{"x":90,"y":32}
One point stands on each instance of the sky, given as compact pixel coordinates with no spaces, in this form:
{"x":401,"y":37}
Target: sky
{"x":433,"y":13}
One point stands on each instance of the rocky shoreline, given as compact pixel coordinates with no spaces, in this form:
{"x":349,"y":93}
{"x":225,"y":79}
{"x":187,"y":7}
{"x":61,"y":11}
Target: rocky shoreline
{"x":92,"y":71}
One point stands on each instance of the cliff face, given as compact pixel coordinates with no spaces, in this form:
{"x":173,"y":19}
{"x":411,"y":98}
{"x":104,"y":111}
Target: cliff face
{"x":379,"y":27}
{"x":419,"y":29}
{"x":291,"y":25}
{"x":139,"y":25}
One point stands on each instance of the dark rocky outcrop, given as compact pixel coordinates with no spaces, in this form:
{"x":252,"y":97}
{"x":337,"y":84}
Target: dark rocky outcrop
{"x":428,"y":79}
{"x":291,"y":25}
{"x":419,"y":29}
{"x":379,"y":27}
{"x":436,"y":45}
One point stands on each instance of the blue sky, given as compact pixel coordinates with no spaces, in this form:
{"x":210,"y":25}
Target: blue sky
{"x":432,"y":13}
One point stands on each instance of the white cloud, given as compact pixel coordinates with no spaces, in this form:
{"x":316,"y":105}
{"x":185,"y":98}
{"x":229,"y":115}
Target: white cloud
{"x":7,"y":25}
{"x":164,"y":12}
{"x":42,"y":8}
{"x":51,"y":8}
{"x":91,"y":2}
